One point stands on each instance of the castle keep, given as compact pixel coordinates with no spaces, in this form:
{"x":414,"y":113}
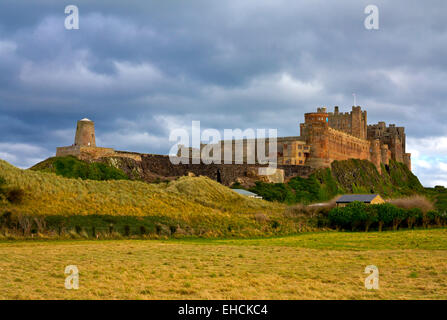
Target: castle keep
{"x":341,"y":136}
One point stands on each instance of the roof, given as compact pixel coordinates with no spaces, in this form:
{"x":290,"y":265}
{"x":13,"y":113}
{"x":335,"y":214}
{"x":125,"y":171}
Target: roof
{"x":85,"y":119}
{"x":245,"y":192}
{"x":356,"y":197}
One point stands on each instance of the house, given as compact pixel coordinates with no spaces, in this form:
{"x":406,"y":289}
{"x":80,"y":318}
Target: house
{"x":247,"y":193}
{"x":365,"y":198}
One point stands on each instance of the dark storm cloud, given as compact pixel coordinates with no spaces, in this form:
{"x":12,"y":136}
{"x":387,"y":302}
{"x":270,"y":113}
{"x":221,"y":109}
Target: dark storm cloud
{"x":142,"y":68}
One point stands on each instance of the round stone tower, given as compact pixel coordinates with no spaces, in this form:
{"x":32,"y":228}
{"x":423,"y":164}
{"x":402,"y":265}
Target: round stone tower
{"x":85,"y":133}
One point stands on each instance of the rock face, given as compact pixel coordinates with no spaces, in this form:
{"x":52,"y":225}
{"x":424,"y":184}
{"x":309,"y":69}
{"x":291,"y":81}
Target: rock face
{"x":154,"y":168}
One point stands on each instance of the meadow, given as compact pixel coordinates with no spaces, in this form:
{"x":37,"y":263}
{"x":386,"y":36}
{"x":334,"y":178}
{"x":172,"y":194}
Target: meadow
{"x":321,"y":265}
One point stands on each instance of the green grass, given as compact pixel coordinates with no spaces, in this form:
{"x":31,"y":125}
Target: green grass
{"x":349,"y":176}
{"x":72,"y":167}
{"x":432,"y":239}
{"x":308,"y":266}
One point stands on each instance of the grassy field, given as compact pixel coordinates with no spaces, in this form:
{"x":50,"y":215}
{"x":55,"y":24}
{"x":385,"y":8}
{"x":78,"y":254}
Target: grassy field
{"x":412,"y":265}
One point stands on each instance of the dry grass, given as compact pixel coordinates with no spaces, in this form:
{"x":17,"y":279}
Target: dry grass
{"x":49,"y":194}
{"x":416,"y":201}
{"x":309,"y":266}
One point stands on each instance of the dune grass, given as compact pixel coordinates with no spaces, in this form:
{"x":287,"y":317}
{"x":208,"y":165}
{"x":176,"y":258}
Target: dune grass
{"x":308,"y":266}
{"x":197,"y":204}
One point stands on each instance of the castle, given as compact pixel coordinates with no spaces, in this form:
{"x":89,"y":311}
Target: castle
{"x":340,"y":136}
{"x":324,"y":137}
{"x":328,"y":136}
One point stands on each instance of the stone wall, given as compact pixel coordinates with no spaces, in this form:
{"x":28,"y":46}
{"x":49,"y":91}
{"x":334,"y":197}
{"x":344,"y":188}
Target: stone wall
{"x":154,"y":167}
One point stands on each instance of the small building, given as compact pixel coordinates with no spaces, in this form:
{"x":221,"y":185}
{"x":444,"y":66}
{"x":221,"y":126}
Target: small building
{"x":365,"y":198}
{"x":247,"y":193}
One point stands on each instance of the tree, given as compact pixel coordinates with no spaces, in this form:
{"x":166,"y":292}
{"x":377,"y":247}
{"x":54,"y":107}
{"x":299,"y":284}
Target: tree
{"x":384,"y":214}
{"x":412,"y":216}
{"x":371,"y":216}
{"x":358,"y":215}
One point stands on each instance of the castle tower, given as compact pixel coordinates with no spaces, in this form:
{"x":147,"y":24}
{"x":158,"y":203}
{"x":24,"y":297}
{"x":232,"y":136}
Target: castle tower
{"x":376,"y":155}
{"x":85,"y":133}
{"x":407,"y":160}
{"x":358,"y":122}
{"x":315,"y":131}
{"x":385,"y":154}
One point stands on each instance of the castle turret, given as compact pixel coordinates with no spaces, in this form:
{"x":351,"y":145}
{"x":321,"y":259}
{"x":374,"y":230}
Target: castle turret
{"x":407,"y":160}
{"x":385,"y":154}
{"x":376,"y":155}
{"x":85,"y":133}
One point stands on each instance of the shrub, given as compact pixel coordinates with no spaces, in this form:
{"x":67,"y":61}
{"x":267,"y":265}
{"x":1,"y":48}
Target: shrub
{"x":340,"y":217}
{"x":15,"y":195}
{"x":357,"y":215}
{"x":428,"y":218}
{"x":384,"y":214}
{"x":5,"y":219}
{"x":126,"y":230}
{"x":372,"y":216}
{"x":413,"y":202}
{"x":399,"y":215}
{"x":413,"y":215}
{"x":2,"y":184}
{"x":71,"y":167}
{"x":273,"y":191}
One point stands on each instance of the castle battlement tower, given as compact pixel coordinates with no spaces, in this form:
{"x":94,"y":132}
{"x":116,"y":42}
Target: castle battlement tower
{"x":85,"y":133}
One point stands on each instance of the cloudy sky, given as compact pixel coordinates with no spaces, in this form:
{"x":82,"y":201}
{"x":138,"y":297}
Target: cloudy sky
{"x":140,"y":69}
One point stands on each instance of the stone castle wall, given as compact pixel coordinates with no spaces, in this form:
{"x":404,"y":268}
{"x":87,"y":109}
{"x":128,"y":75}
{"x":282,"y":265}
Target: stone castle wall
{"x":153,"y":166}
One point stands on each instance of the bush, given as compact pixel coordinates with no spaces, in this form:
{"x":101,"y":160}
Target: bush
{"x":71,"y":167}
{"x":413,"y":216}
{"x":273,"y":192}
{"x":371,"y":217}
{"x":413,"y":202}
{"x":358,"y":214}
{"x":353,"y":216}
{"x":126,"y":230}
{"x":428,"y":218}
{"x":15,"y":195}
{"x":340,"y":218}
{"x":384,"y":214}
